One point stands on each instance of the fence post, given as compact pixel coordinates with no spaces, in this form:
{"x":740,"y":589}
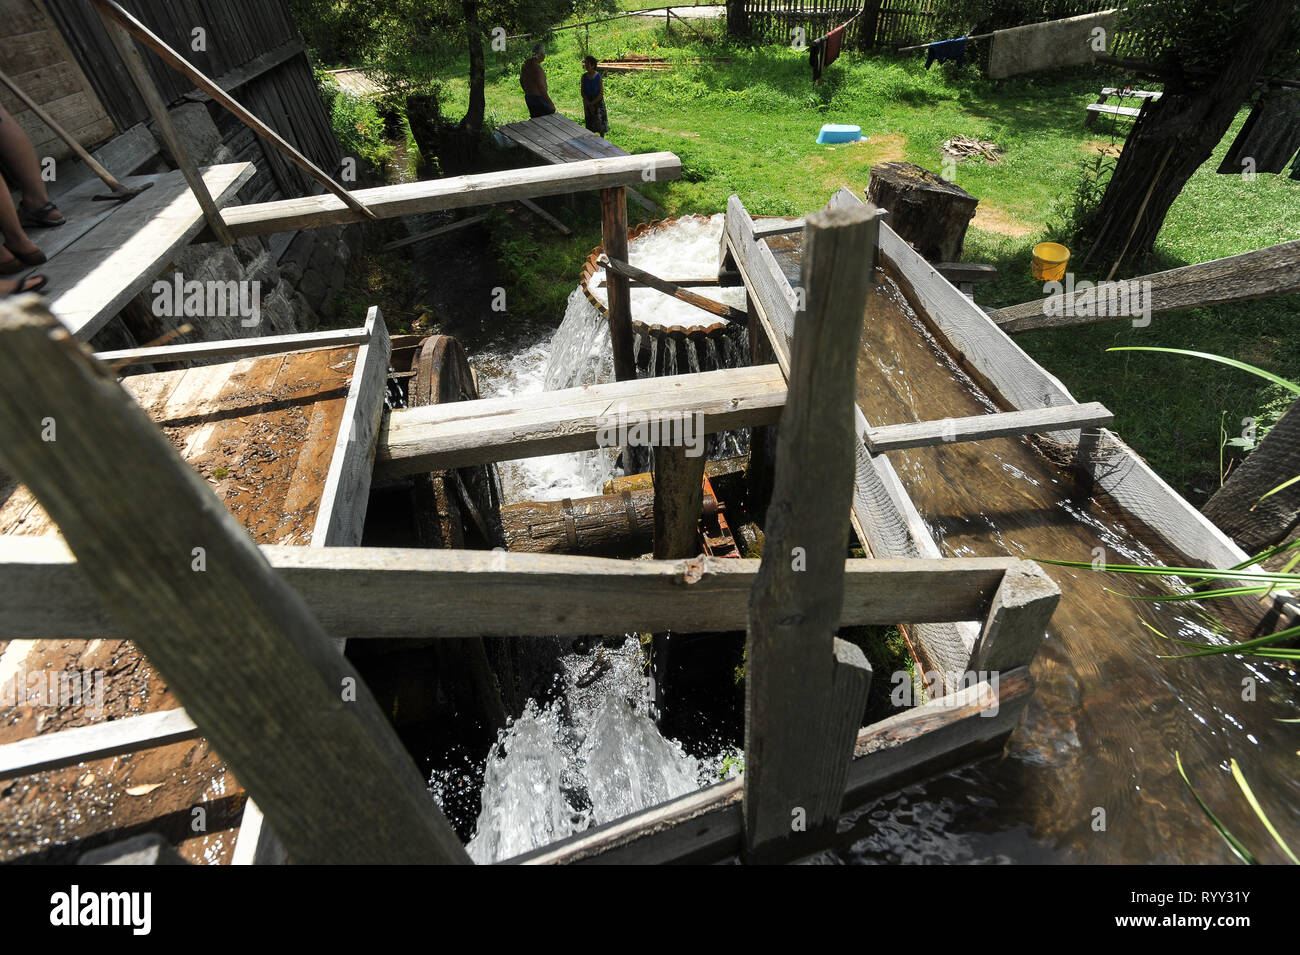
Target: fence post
{"x":805,"y":690}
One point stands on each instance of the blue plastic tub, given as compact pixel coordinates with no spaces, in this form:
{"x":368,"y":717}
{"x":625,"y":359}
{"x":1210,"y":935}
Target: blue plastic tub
{"x":834,"y":133}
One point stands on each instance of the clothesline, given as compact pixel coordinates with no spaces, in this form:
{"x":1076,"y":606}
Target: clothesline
{"x":922,"y":46}
{"x":841,"y":26}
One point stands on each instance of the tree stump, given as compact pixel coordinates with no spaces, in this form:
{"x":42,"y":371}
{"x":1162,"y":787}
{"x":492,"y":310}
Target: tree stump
{"x":927,"y":211}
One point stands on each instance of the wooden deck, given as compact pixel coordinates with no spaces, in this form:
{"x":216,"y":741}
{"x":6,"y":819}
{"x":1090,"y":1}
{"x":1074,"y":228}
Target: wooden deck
{"x":126,"y":245}
{"x":264,"y":432}
{"x":556,"y":140}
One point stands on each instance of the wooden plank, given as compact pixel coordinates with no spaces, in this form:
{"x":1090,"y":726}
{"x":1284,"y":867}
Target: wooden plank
{"x":618,"y":310}
{"x":957,"y":272}
{"x":546,"y":217}
{"x":93,"y":279}
{"x":416,"y":440}
{"x":770,"y":227}
{"x":459,"y":192}
{"x":342,"y":515}
{"x":924,"y":434}
{"x":228,"y":348}
{"x":1017,"y":622}
{"x":1237,"y":278}
{"x":389,"y":593}
{"x":633,"y":274}
{"x":256,"y":672}
{"x":429,"y":234}
{"x":707,"y":826}
{"x":49,"y":751}
{"x":1129,"y":111}
{"x":805,"y":691}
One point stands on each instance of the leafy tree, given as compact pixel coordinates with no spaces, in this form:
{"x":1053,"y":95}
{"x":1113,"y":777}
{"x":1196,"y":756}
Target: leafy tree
{"x":1212,"y":55}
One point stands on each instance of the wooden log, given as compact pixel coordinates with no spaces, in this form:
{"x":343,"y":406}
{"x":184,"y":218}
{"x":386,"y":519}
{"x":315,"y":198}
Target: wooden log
{"x":416,"y":593}
{"x":139,"y":74}
{"x":122,"y":26}
{"x":1238,"y":278}
{"x":925,"y":210}
{"x":181,"y":576}
{"x":628,"y":271}
{"x":619,"y":524}
{"x":805,"y":691}
{"x":613,"y":221}
{"x":924,"y":434}
{"x":573,"y":419}
{"x":678,"y":501}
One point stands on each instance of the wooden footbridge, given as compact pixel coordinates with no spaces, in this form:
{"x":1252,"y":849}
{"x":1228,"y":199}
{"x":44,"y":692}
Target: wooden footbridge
{"x":247,"y":626}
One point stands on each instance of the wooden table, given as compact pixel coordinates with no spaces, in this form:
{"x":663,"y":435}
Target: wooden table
{"x":556,"y":139}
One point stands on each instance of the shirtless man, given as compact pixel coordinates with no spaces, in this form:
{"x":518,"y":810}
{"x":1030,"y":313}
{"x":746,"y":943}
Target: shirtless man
{"x":533,"y":79}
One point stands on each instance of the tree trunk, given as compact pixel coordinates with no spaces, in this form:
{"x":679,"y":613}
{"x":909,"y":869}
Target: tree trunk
{"x":927,"y":211}
{"x":1236,"y":508}
{"x":1174,"y":137}
{"x":737,"y":20}
{"x":473,"y":121}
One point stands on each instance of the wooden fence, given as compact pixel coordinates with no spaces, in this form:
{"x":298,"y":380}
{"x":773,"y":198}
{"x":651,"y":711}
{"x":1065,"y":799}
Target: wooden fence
{"x":882,"y":22}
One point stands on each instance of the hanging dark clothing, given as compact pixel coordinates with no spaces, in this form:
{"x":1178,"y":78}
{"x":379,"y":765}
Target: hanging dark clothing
{"x":941,"y":51}
{"x":816,"y":56}
{"x":834,"y":43}
{"x":1270,"y":136}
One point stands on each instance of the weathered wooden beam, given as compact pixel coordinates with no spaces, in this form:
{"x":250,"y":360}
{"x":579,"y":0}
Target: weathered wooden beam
{"x":1238,"y":278}
{"x":679,"y":500}
{"x":707,"y":826}
{"x":613,"y":222}
{"x":702,"y":282}
{"x":346,"y":492}
{"x":394,"y":593}
{"x":546,"y":217}
{"x":713,"y":307}
{"x":124,"y":26}
{"x":805,"y":691}
{"x":924,"y":434}
{"x":765,"y":228}
{"x":139,"y":73}
{"x":228,"y":348}
{"x":431,"y":233}
{"x":458,"y":192}
{"x":958,"y":272}
{"x":415,"y":440}
{"x":172,"y":567}
{"x":81,"y":744}
{"x":1017,"y":622}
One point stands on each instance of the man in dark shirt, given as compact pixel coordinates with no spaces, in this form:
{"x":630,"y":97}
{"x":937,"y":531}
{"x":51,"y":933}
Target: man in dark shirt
{"x":533,"y":79}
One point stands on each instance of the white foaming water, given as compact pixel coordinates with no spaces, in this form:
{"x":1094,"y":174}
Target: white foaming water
{"x":686,"y":250}
{"x":578,"y":354}
{"x":589,"y":760}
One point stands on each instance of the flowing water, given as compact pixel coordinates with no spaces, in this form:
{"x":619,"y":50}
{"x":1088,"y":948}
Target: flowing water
{"x":1089,"y":776}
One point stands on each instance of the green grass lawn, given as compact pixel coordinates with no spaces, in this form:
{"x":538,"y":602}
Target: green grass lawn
{"x":749,"y":126}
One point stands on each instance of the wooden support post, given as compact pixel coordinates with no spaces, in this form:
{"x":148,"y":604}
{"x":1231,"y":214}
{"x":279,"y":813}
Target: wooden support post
{"x":122,"y":26}
{"x":134,"y":63}
{"x":613,"y":219}
{"x":181,"y":576}
{"x":762,"y":439}
{"x":679,"y":501}
{"x":1017,"y":621}
{"x":806,"y":690}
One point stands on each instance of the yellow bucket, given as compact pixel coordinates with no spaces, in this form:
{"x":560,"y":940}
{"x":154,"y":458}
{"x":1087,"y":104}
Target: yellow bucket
{"x":1049,"y":262}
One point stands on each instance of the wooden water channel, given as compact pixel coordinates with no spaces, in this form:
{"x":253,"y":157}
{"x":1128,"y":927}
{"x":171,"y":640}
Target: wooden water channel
{"x":251,"y":639}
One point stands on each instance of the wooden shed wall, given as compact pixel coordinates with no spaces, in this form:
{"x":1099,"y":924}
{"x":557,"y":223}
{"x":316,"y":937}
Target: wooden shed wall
{"x":34,"y":54}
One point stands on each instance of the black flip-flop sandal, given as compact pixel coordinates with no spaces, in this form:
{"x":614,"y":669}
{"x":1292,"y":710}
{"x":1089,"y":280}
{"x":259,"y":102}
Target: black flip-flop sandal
{"x":40,"y":218}
{"x":22,"y":288}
